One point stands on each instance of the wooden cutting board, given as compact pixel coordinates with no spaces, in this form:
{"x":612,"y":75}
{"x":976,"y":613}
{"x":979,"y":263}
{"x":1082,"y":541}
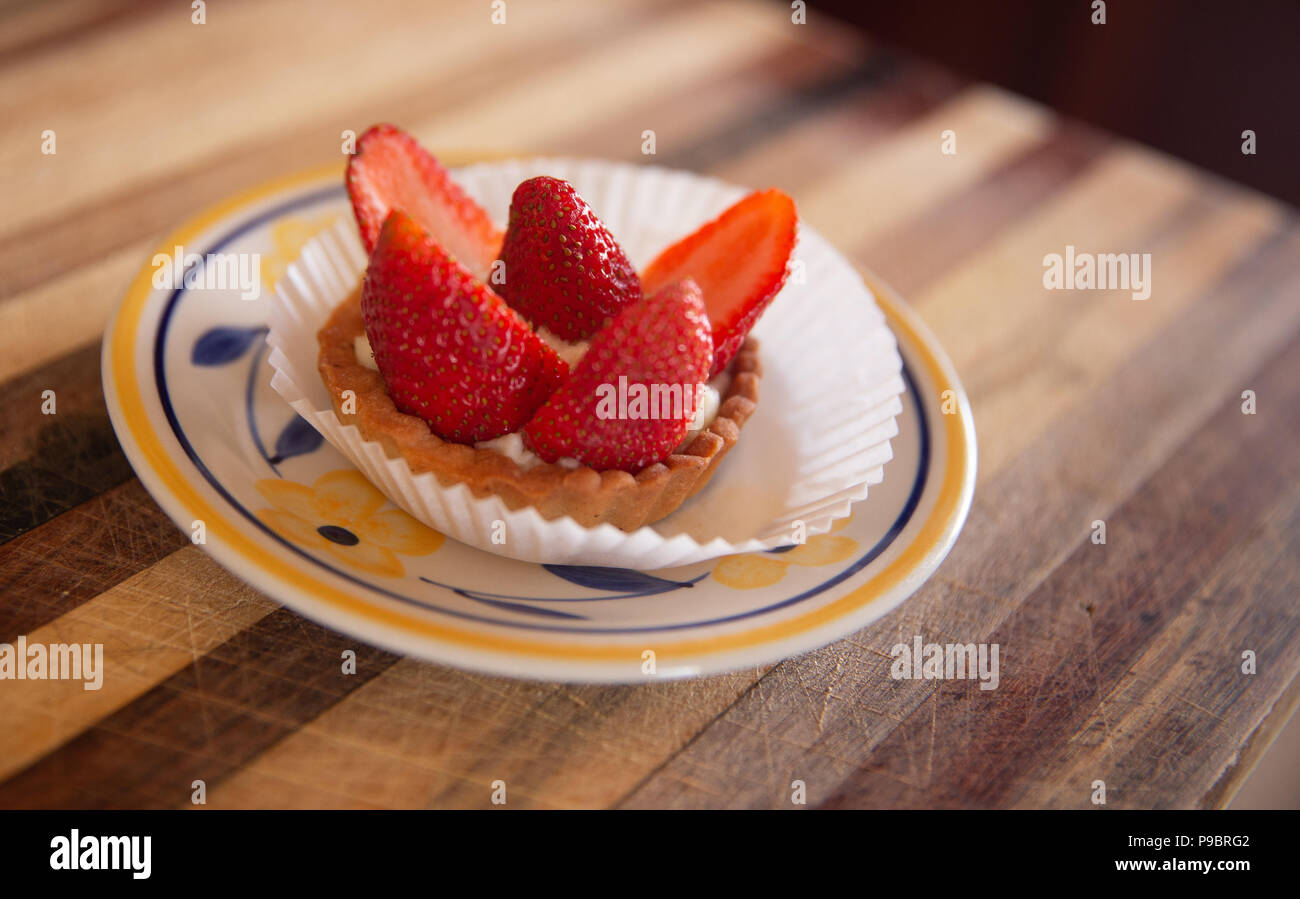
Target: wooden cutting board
{"x":1121,"y":662}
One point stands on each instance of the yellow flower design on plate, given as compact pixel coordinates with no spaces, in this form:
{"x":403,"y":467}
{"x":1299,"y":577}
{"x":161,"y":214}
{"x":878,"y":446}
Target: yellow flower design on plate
{"x":342,"y":514}
{"x":289,"y":235}
{"x":752,"y":570}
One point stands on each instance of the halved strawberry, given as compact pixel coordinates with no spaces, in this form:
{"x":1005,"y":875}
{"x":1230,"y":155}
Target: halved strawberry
{"x":739,"y":260}
{"x":450,"y":350}
{"x":659,"y":349}
{"x":390,"y":170}
{"x":563,"y":269}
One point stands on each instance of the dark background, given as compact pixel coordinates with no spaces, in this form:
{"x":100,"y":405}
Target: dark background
{"x":1184,"y":76}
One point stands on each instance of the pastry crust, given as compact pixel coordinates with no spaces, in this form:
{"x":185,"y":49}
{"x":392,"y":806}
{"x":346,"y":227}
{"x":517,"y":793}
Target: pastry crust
{"x":588,"y":496}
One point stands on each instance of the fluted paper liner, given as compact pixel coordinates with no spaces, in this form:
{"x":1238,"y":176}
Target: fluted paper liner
{"x":820,"y":437}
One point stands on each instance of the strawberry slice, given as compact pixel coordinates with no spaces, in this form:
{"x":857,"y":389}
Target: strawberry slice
{"x":450,"y":350}
{"x":658,"y":350}
{"x":390,"y":170}
{"x":739,"y":260}
{"x":563,"y":269}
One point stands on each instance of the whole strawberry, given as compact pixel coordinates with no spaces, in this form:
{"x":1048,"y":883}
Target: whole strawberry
{"x":450,"y":350}
{"x":630,"y":400}
{"x":563,"y":269}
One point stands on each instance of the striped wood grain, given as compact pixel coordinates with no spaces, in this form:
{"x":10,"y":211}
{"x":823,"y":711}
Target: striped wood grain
{"x":1119,"y":659}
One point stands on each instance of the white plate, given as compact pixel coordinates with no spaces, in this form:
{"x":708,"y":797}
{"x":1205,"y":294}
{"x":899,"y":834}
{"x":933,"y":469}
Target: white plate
{"x":187,"y":386}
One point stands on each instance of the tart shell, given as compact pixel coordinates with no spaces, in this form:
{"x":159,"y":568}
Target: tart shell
{"x":588,"y":496}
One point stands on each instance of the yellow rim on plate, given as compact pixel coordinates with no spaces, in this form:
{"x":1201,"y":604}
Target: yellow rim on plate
{"x":934,"y":537}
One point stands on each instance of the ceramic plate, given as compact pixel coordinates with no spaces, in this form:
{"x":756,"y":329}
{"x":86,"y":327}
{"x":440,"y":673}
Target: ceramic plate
{"x":188,"y":388}
{"x":832,"y":385}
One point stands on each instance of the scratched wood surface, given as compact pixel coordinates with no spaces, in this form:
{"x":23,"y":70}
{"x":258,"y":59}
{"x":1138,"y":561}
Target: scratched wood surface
{"x":1119,"y":662}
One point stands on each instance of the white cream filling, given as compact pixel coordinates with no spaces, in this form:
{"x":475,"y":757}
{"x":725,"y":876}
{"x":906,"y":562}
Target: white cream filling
{"x":365,"y":355}
{"x":571,"y":353}
{"x":708,"y":401}
{"x":512,"y":445}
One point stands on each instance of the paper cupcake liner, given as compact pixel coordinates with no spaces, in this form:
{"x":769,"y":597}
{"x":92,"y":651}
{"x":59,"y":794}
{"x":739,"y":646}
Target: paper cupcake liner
{"x":820,"y":437}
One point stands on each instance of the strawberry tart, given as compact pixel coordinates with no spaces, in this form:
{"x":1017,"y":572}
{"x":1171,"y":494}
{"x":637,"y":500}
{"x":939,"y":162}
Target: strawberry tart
{"x":536,"y":364}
